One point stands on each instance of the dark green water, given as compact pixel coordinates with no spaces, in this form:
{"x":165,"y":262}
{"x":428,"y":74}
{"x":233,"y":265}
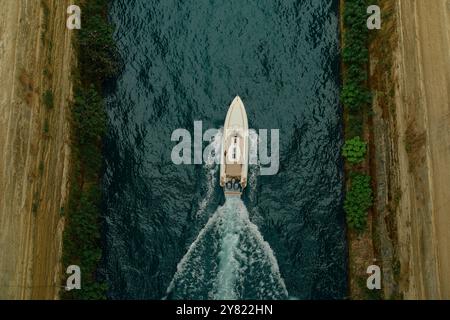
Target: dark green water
{"x":186,"y":61}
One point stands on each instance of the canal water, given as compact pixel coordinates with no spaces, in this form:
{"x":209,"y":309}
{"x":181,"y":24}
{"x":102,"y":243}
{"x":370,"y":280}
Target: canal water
{"x":169,"y":232}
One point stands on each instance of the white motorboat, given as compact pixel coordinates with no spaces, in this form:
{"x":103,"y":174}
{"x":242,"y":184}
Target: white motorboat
{"x":235,"y":146}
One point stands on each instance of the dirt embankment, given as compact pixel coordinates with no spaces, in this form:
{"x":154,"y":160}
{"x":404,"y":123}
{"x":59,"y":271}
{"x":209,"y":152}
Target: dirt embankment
{"x":412,"y":140}
{"x":35,"y":70}
{"x":423,"y":117}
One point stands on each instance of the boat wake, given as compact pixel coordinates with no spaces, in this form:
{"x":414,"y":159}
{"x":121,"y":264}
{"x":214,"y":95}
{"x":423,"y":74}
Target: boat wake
{"x":228,"y":260}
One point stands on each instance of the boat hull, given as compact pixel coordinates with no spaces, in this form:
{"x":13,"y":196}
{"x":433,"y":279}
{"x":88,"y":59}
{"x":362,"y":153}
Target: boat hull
{"x":235,"y":145}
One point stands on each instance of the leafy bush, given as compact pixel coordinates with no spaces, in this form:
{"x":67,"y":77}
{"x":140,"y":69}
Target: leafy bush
{"x":358,"y":201}
{"x":89,"y":126}
{"x":356,"y":74}
{"x":355,"y":51}
{"x":97,"y":49}
{"x":88,"y":116}
{"x":355,"y":55}
{"x":355,"y":16}
{"x":355,"y":96}
{"x":354,"y":125}
{"x":354,"y":150}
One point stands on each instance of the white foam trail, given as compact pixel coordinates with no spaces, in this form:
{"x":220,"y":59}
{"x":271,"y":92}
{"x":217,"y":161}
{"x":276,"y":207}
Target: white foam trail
{"x":190,"y":254}
{"x":228,"y":264}
{"x":228,"y":259}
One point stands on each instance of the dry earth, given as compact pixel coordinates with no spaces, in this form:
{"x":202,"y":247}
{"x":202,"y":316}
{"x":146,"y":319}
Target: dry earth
{"x":35,"y":56}
{"x":423,"y":124}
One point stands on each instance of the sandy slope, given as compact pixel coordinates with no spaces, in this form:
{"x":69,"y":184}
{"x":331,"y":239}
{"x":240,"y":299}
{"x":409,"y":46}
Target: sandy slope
{"x":423,"y":120}
{"x":33,"y":164}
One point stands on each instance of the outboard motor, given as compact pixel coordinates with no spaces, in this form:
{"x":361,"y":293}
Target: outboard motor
{"x":236,"y":186}
{"x":229,"y":185}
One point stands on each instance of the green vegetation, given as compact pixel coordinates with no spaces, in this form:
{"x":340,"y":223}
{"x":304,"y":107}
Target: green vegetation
{"x":46,"y":72}
{"x":356,"y":98}
{"x":354,"y":150}
{"x":88,"y":116}
{"x":98,"y":53}
{"x":98,"y":61}
{"x":35,"y":207}
{"x":354,"y":125}
{"x":41,"y":168}
{"x":358,"y":201}
{"x":46,"y":20}
{"x":46,"y":127}
{"x":48,"y":99}
{"x":81,"y":241}
{"x":89,"y":125}
{"x":355,"y":94}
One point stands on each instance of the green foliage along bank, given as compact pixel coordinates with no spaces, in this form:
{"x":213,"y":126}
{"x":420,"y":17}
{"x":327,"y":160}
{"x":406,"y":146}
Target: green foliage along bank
{"x":358,"y":201}
{"x":354,"y":150}
{"x":97,"y":61}
{"x":355,"y":55}
{"x":356,"y":98}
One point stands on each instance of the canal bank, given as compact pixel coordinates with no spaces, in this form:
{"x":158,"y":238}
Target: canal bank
{"x":408,"y":71}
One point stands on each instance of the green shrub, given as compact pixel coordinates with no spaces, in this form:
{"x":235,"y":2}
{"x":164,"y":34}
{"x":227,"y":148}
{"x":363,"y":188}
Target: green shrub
{"x":48,"y":99}
{"x":46,"y":127}
{"x":88,"y":116}
{"x":354,"y":96}
{"x":358,"y":201}
{"x":355,"y":51}
{"x":354,"y":150}
{"x":35,"y":206}
{"x":355,"y":16}
{"x":355,"y":55}
{"x":98,"y":52}
{"x":354,"y":126}
{"x":356,"y":74}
